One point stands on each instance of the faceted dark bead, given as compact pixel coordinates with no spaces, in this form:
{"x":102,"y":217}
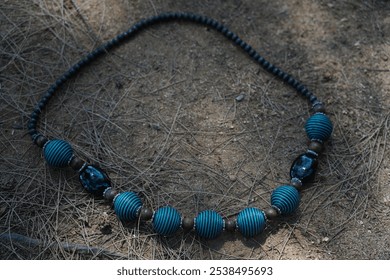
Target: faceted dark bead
{"x":187,"y":224}
{"x":230,"y":225}
{"x":145,"y":214}
{"x":94,"y":180}
{"x":271,"y":213}
{"x":304,"y":167}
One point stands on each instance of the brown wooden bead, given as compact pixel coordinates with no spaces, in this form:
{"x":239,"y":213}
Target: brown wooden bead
{"x":271,"y":213}
{"x":187,"y":224}
{"x":230,"y":225}
{"x":41,"y":141}
{"x":145,"y":214}
{"x":316,"y":146}
{"x":76,"y":163}
{"x":109,"y":194}
{"x":319,"y":108}
{"x":296,"y":183}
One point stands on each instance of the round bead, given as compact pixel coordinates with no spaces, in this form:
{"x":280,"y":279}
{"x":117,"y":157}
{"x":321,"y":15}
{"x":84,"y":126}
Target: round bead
{"x":319,"y":127}
{"x":208,"y":224}
{"x":271,"y":213}
{"x":304,"y":167}
{"x":316,"y":146}
{"x":126,"y":206}
{"x":296,"y":183}
{"x":57,"y":153}
{"x":166,"y":220}
{"x":285,"y":198}
{"x":318,"y":107}
{"x":41,"y":141}
{"x":187,"y":224}
{"x":109,"y":194}
{"x":76,"y":163}
{"x":230,"y":225}
{"x":145,"y":214}
{"x":251,"y":222}
{"x":94,"y":180}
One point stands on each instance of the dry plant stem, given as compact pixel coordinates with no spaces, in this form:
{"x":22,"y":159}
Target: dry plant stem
{"x":25,"y":241}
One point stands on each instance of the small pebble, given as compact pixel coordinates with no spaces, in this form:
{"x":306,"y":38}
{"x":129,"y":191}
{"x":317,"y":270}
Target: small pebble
{"x":240,"y":98}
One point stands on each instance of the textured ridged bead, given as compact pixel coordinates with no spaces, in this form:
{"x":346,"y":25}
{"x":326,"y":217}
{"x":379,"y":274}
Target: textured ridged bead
{"x":208,"y":224}
{"x":304,"y":167}
{"x":166,"y":220}
{"x":94,"y":180}
{"x":251,"y":222}
{"x":319,"y":127}
{"x":285,"y":198}
{"x":58,"y":153}
{"x":126,"y":206}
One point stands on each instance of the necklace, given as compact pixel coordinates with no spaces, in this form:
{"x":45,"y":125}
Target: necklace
{"x":166,"y":220}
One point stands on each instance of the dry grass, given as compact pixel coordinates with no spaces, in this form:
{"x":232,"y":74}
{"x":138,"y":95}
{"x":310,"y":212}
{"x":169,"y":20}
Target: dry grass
{"x":159,"y":115}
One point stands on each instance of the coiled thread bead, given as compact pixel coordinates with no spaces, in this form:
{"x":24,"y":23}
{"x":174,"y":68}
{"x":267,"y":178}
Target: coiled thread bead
{"x":57,"y":153}
{"x":166,"y":220}
{"x":285,"y":199}
{"x":251,"y":222}
{"x":208,"y":224}
{"x":127,"y":205}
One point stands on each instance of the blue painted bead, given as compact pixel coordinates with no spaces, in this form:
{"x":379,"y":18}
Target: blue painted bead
{"x":319,"y":127}
{"x":127,"y":205}
{"x":208,"y":224}
{"x":166,"y":220}
{"x":304,"y":167}
{"x":58,"y":153}
{"x":251,"y":222}
{"x":94,"y":179}
{"x":285,"y":198}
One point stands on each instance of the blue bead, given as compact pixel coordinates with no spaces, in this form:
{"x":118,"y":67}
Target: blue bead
{"x":94,"y":180}
{"x":208,"y":224}
{"x":319,"y":127}
{"x":304,"y":167}
{"x":251,"y":222}
{"x":127,"y":205}
{"x":166,"y":220}
{"x":58,"y":153}
{"x":285,"y":198}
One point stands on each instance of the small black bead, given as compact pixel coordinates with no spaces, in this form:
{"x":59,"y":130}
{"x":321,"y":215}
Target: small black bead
{"x":32,"y":125}
{"x":234,"y":37}
{"x":266,"y":64}
{"x":229,"y":34}
{"x":271,"y":213}
{"x":145,"y":214}
{"x":290,"y":80}
{"x":230,"y":225}
{"x":32,"y":131}
{"x":238,"y":41}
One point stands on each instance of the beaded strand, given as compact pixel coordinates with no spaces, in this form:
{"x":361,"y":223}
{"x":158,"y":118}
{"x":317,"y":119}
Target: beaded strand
{"x":167,"y":220}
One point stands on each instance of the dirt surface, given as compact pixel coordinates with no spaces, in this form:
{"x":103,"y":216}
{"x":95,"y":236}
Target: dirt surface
{"x":159,"y":114}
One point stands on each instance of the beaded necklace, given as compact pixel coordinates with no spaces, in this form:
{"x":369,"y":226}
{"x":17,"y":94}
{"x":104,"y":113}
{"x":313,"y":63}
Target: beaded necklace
{"x":167,"y":220}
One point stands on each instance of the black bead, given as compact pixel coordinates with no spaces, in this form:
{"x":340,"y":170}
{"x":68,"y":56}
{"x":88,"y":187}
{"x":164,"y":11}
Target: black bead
{"x":230,"y":225}
{"x":304,"y":167}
